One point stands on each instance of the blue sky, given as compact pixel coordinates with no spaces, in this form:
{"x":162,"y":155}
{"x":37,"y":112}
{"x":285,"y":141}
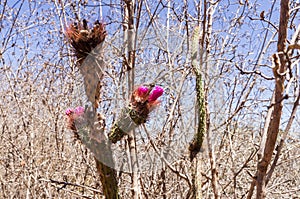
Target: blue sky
{"x":43,"y":36}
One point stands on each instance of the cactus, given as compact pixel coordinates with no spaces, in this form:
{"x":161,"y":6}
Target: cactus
{"x":88,"y":46}
{"x":142,"y":102}
{"x":196,"y":143}
{"x":86,"y":124}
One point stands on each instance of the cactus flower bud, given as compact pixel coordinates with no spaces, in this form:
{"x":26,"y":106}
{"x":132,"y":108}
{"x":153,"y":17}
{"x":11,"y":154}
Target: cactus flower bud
{"x":142,"y":91}
{"x":156,"y":93}
{"x":79,"y":110}
{"x":69,"y":111}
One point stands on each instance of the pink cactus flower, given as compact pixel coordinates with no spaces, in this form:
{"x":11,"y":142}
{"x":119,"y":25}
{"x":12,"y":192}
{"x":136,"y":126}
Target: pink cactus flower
{"x":156,"y":93}
{"x":69,"y":111}
{"x":79,"y":110}
{"x":142,"y":91}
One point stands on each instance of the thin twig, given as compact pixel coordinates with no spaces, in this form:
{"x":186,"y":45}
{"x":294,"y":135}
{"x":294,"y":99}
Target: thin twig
{"x":166,"y":161}
{"x":65,"y":184}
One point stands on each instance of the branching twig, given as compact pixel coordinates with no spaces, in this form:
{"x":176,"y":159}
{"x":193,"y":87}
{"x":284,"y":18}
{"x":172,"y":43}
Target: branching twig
{"x":263,"y":19}
{"x":254,"y":72}
{"x":65,"y":184}
{"x":166,"y":161}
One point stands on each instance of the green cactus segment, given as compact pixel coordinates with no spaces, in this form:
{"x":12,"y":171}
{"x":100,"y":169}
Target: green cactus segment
{"x":195,"y":47}
{"x":197,"y":141}
{"x":89,"y":135}
{"x":196,"y":144}
{"x":129,"y":119}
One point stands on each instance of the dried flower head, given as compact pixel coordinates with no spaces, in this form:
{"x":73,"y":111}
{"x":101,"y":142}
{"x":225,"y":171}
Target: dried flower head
{"x":85,"y":39}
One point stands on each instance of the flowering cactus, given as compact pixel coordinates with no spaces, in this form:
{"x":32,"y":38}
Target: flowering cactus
{"x":141,"y":104}
{"x":74,"y":116}
{"x":70,"y":119}
{"x":87,"y":42}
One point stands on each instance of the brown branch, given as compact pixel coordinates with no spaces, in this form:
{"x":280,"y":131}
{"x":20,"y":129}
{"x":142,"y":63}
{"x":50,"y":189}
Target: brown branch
{"x":130,"y":38}
{"x":253,"y":72}
{"x":65,"y":184}
{"x":282,"y":140}
{"x":264,"y":20}
{"x":276,"y":114}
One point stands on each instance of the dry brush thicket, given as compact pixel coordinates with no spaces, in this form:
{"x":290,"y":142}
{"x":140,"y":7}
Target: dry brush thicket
{"x":39,"y":156}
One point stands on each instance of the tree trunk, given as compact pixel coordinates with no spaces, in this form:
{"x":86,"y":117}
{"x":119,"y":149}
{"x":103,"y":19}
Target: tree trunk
{"x":279,"y":60}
